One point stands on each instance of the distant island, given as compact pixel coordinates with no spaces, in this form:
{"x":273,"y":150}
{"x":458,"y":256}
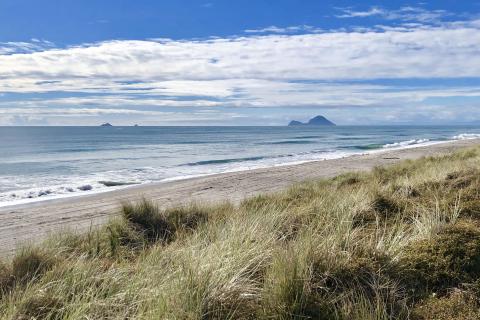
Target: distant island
{"x":106,"y":125}
{"x":317,"y":121}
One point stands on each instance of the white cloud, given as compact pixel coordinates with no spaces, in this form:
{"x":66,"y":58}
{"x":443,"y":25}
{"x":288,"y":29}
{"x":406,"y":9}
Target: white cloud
{"x":34,"y":45}
{"x":407,"y":13}
{"x":113,"y":100}
{"x":349,"y":13}
{"x":286,"y":30}
{"x":74,"y":112}
{"x":254,"y":93}
{"x":422,"y":52}
{"x":309,"y":70}
{"x":88,"y":116}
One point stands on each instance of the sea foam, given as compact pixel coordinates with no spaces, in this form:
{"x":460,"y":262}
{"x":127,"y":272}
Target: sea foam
{"x":466,"y":136}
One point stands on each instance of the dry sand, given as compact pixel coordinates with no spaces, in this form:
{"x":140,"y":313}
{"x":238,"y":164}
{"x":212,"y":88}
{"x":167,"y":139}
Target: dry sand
{"x":31,"y":223}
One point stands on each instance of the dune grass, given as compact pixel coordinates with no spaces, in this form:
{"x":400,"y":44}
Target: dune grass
{"x":400,"y":242}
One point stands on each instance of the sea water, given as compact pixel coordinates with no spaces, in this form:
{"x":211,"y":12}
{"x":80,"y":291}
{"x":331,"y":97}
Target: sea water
{"x":38,"y":163}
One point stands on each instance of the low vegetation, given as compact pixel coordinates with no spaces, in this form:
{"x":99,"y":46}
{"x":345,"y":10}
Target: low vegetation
{"x":400,"y":242}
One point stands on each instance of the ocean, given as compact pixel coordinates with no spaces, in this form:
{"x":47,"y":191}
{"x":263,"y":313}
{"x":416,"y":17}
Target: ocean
{"x":38,"y":163}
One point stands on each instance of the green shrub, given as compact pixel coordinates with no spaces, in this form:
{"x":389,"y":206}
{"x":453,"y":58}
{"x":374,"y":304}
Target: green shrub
{"x":456,"y":306}
{"x":462,"y":179}
{"x":362,"y":285}
{"x":31,"y":263}
{"x":355,"y":272}
{"x":450,"y":258}
{"x":471,"y":208}
{"x":358,"y":271}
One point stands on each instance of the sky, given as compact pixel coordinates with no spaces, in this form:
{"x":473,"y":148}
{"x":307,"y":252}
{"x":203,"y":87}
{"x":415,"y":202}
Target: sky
{"x":227,"y":62}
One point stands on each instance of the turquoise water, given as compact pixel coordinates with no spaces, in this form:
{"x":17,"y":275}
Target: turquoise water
{"x":46,"y":162}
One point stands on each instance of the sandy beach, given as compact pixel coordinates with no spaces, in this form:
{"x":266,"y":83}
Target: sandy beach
{"x":31,"y":223}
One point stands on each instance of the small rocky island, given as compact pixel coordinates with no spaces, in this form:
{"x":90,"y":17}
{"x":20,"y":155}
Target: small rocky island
{"x":317,"y":121}
{"x":106,"y":124}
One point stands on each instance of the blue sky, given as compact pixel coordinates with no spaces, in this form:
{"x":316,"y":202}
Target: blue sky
{"x":238,"y":62}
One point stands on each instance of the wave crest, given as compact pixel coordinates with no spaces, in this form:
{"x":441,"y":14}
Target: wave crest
{"x":405,"y":143}
{"x":466,"y":136}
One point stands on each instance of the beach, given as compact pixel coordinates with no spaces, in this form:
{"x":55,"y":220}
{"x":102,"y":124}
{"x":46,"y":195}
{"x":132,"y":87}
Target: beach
{"x":31,"y":223}
{"x":209,"y":160}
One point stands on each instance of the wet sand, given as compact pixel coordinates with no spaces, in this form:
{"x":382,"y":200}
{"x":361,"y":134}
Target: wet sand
{"x":31,"y":223}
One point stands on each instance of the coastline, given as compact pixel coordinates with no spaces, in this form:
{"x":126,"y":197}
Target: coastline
{"x":32,"y":222}
{"x":324,"y":157}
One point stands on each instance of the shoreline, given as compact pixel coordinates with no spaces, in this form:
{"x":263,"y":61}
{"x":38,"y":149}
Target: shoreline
{"x":32,"y":201}
{"x":33,"y":222}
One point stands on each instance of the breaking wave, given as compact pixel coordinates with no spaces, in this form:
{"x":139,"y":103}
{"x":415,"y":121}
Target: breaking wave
{"x":405,"y":143}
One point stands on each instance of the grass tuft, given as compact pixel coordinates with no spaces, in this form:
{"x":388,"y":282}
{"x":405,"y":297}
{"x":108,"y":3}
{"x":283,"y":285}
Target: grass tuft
{"x":31,"y":263}
{"x":386,"y":206}
{"x":287,"y":292}
{"x":6,"y":278}
{"x":146,"y":217}
{"x":41,"y":306}
{"x":162,"y":225}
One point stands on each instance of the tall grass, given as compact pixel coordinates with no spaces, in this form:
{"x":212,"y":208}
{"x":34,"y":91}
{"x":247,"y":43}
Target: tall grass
{"x":394,"y":243}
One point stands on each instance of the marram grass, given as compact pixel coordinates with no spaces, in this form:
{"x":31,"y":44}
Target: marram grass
{"x":400,"y":242}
